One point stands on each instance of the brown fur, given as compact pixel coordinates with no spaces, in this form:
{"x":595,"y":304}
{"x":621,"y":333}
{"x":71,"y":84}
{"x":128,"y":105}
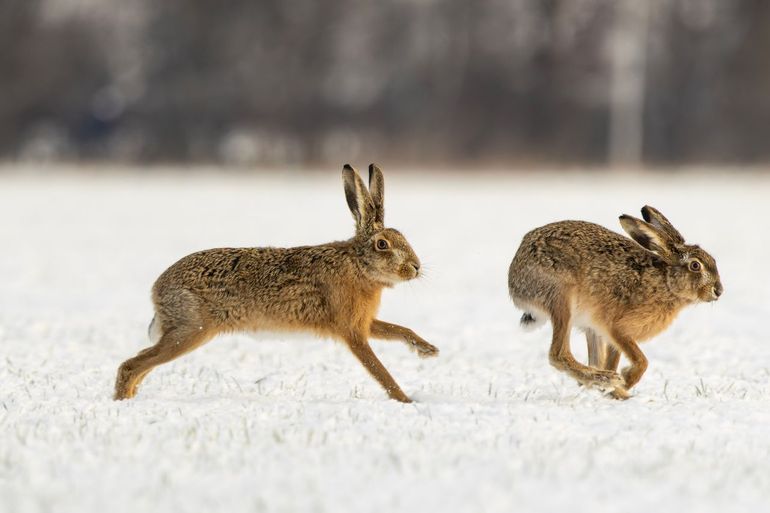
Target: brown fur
{"x":331,"y":290}
{"x":621,"y":291}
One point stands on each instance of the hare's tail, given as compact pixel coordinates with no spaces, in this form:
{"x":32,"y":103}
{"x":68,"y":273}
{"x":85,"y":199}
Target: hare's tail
{"x":529,"y":321}
{"x":153,"y":330}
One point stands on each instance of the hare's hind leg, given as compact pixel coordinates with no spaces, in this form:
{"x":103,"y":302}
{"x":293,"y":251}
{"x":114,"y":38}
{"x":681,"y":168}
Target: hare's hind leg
{"x":387,"y":331}
{"x":172,"y":344}
{"x":361,"y":350}
{"x":561,"y":356}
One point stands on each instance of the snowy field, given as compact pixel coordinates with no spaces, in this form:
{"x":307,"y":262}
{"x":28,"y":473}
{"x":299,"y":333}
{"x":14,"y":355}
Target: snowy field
{"x":251,"y":425}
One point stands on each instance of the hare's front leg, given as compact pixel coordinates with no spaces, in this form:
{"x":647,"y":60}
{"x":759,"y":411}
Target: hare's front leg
{"x":633,"y":373}
{"x":359,"y":346}
{"x":601,"y":355}
{"x":388,"y":331}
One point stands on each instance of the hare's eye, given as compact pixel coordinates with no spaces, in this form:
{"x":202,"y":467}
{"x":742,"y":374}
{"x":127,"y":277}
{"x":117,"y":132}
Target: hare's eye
{"x":695,"y":266}
{"x":382,"y":244}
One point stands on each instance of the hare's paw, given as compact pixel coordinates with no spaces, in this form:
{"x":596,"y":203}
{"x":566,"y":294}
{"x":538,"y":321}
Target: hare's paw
{"x":606,"y":379}
{"x":124,"y":393}
{"x":123,"y":388}
{"x":620,"y":393}
{"x":399,"y":396}
{"x":424,"y":349}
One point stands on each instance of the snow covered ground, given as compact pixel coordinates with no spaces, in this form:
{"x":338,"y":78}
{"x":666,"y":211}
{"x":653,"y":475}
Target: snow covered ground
{"x":297,"y":425}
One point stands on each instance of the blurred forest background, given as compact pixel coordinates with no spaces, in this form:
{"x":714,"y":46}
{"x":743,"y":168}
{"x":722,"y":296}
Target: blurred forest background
{"x":302,"y":82}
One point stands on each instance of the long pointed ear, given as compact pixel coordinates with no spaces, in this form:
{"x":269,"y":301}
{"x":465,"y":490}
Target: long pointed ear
{"x":649,"y":237}
{"x":377,"y":191}
{"x":359,"y":200}
{"x":659,"y":221}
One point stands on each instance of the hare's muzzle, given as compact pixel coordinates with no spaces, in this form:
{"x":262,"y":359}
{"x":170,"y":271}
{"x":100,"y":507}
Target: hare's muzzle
{"x":718,"y":289}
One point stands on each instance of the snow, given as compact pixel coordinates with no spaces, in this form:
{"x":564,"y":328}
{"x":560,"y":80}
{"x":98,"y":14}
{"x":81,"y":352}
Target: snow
{"x":297,"y":425}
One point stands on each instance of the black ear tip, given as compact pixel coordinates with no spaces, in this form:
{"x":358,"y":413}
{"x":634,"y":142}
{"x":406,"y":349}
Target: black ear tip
{"x":348,"y":167}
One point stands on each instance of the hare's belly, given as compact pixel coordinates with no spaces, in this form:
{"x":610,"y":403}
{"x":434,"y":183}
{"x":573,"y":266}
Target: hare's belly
{"x":282,"y":335}
{"x":639,"y":324}
{"x":585,"y":320}
{"x":269,"y":325}
{"x":644,"y":324}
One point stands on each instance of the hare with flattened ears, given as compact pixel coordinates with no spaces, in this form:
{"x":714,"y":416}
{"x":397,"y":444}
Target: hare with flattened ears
{"x":332,"y":290}
{"x":619,"y":291}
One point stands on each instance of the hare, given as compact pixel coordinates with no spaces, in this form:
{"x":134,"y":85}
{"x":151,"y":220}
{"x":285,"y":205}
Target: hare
{"x":620,"y":292}
{"x":331,"y":290}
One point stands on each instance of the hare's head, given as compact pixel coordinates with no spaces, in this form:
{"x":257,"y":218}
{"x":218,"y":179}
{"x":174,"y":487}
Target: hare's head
{"x":387,"y":256}
{"x":691,"y":272}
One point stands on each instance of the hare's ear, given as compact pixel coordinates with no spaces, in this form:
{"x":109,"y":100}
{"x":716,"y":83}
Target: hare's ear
{"x":649,"y":237}
{"x":359,"y":200}
{"x":377,"y":191}
{"x":659,"y":221}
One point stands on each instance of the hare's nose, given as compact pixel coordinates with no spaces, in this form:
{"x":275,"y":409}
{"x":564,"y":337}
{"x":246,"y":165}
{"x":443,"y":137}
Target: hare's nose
{"x":718,"y":289}
{"x":416,"y":267}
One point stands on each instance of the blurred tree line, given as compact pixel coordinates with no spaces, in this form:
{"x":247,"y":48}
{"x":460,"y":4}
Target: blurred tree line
{"x":429,"y":81}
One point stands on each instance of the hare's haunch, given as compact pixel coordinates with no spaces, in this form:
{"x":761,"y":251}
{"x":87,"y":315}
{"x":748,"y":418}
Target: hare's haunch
{"x":332,"y":290}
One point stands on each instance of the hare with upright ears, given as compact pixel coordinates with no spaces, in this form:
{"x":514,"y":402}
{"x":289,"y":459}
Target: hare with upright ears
{"x":332,"y":290}
{"x":620,"y":292}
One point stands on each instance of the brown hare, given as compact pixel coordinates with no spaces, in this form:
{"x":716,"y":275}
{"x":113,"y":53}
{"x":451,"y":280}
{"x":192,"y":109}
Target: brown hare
{"x":332,"y":290}
{"x":620,"y":292}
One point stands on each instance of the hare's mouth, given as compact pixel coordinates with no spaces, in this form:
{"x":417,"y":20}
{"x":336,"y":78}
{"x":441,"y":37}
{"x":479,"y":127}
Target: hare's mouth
{"x":404,"y":273}
{"x":411,"y":271}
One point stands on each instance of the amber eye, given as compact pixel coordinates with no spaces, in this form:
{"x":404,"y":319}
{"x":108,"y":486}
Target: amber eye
{"x":382,"y":244}
{"x":695,"y":266}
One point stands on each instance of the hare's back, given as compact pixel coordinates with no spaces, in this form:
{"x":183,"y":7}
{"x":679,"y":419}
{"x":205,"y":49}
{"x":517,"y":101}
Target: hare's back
{"x":282,"y":286}
{"x":571,"y":247}
{"x":251,"y":267}
{"x":571,"y":238}
{"x":204,"y":268}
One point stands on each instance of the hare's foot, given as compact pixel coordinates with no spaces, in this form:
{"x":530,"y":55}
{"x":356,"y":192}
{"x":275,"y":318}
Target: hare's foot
{"x":399,"y":396}
{"x":605,"y":380}
{"x":389,"y":331}
{"x":125,"y":393}
{"x":613,"y":384}
{"x":620,"y":394}
{"x":423,"y":348}
{"x":130,"y":375}
{"x":125,"y":385}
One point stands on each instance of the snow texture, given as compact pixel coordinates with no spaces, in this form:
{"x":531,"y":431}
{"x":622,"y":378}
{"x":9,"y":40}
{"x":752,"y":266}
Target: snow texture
{"x":267,"y":424}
